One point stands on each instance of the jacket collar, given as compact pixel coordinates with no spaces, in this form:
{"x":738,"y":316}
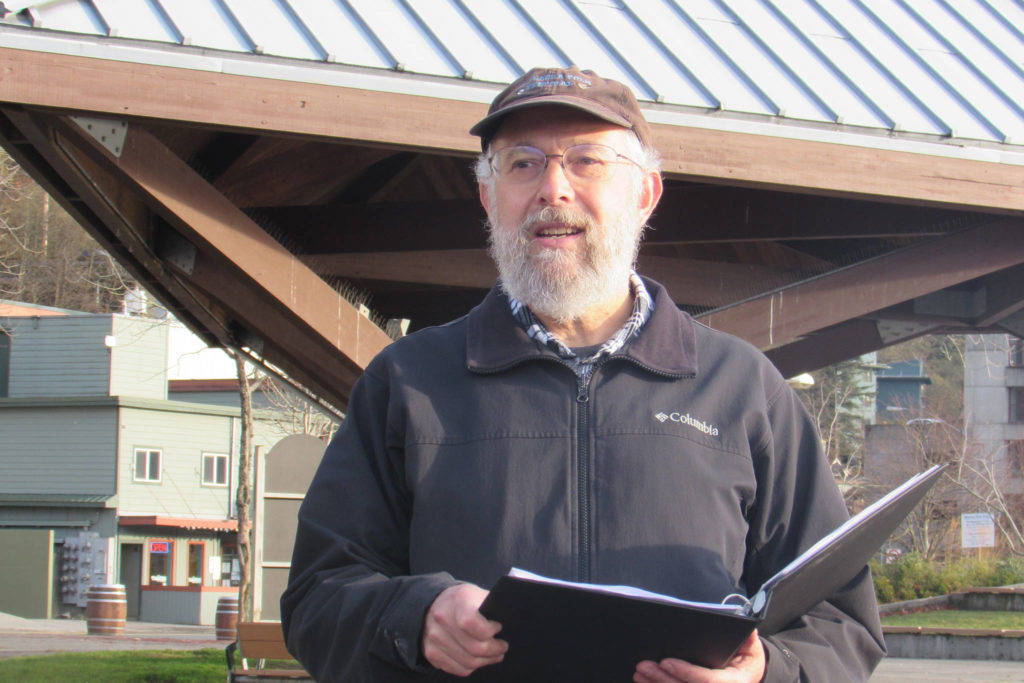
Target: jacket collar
{"x":666,"y":344}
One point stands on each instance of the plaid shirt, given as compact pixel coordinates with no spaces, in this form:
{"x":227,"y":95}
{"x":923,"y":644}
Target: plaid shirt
{"x":535,"y":329}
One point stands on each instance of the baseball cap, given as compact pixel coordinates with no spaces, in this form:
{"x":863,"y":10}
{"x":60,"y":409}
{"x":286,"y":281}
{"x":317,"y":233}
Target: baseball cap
{"x":583,"y":90}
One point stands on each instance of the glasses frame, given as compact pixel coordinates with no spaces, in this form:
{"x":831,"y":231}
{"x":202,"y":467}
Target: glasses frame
{"x":561,"y":162}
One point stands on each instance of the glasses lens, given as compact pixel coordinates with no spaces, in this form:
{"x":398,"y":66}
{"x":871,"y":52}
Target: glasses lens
{"x":519,"y":164}
{"x":589,"y":162}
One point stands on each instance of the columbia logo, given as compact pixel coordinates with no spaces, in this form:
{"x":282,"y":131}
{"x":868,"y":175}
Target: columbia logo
{"x":689,"y":421}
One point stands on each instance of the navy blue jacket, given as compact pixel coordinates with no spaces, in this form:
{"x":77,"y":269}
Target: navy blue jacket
{"x":686,"y":466}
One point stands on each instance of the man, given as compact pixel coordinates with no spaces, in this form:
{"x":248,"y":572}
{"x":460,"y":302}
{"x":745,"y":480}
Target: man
{"x":575,"y":424}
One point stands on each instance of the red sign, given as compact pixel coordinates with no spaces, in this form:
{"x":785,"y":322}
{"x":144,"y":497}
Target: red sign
{"x":159,"y":546}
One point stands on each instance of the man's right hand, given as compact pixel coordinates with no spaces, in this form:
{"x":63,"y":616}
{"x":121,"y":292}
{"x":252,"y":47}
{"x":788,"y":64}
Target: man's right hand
{"x":456,"y":637}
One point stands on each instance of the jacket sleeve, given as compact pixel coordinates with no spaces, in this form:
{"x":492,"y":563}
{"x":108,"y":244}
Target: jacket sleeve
{"x":351,"y":610}
{"x":798,"y":503}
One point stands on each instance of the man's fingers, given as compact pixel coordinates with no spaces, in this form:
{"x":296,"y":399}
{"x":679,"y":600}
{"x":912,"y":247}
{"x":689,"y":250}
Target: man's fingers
{"x":457,"y":660}
{"x":464,"y":648}
{"x":476,"y":625}
{"x":456,"y":637}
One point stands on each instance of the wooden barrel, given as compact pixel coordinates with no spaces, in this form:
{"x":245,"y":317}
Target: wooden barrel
{"x":227,"y":617}
{"x":105,"y":610}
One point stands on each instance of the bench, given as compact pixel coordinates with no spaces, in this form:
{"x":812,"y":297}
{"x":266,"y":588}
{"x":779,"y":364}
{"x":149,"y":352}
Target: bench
{"x":261,"y":640}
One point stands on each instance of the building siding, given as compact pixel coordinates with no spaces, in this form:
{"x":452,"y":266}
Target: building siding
{"x":182,"y":440}
{"x":139,"y":358}
{"x":44,"y":350}
{"x":55,"y":449}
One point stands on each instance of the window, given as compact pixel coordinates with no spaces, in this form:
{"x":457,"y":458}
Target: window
{"x":195,"y":564}
{"x":160,"y":562}
{"x":1016,"y":404}
{"x":229,"y":574}
{"x":147,"y":464}
{"x":1016,"y":353}
{"x":1015,"y":458}
{"x":215,"y":469}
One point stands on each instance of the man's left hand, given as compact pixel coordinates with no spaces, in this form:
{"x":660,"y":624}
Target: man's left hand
{"x":746,"y":666}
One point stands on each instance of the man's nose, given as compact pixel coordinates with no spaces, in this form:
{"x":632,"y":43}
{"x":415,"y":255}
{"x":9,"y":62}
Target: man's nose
{"x":555,"y":187}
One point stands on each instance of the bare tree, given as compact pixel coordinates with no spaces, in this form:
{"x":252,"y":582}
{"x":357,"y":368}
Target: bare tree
{"x":291,"y":411}
{"x":839,"y":401}
{"x":46,"y":257}
{"x":244,"y":494}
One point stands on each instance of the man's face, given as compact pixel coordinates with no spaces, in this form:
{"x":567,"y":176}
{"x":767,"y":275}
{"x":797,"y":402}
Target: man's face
{"x":563,"y":245}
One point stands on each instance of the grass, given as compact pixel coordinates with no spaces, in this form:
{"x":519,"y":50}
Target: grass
{"x":955,"y":618}
{"x":144,"y":666}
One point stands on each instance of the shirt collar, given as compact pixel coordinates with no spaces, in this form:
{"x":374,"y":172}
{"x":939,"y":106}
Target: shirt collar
{"x":536,"y":330}
{"x":667,"y":346}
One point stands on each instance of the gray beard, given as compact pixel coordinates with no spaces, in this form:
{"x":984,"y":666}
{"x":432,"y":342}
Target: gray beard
{"x":560,"y":284}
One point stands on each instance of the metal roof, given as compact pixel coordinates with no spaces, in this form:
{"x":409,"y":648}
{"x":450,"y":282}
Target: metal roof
{"x":947,"y":71}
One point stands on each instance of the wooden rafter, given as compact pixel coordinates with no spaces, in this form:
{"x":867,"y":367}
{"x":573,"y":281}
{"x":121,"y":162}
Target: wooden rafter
{"x":849,"y":339}
{"x":81,"y":195}
{"x":425,"y":123}
{"x":725,"y":215}
{"x":690,"y":282}
{"x":784,"y":316}
{"x":299,"y":321}
{"x":1003,"y":295}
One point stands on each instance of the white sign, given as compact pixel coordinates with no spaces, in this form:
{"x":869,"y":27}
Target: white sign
{"x":214,"y":563}
{"x":977,"y":530}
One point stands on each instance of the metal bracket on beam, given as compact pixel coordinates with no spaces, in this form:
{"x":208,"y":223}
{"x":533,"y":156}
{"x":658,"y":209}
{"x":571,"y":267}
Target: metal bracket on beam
{"x":108,"y":132}
{"x":245,"y":337}
{"x":175,"y":249}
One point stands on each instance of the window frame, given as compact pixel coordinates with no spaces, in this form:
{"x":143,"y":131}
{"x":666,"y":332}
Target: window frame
{"x":202,"y":560}
{"x":202,"y":469}
{"x":170,"y":562}
{"x":149,"y":451}
{"x":1015,"y":398}
{"x":1015,"y":355}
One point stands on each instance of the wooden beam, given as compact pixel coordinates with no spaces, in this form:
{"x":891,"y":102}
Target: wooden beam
{"x":297,"y":305}
{"x":1004,"y":296}
{"x":690,"y":282}
{"x":781,"y":317}
{"x":292,"y":172}
{"x":111,"y":226}
{"x":685,"y":216}
{"x":827,"y":347}
{"x":415,"y":122}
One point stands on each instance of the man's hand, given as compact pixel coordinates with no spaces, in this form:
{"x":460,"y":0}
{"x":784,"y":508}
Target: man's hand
{"x":746,"y":666}
{"x":456,"y":637}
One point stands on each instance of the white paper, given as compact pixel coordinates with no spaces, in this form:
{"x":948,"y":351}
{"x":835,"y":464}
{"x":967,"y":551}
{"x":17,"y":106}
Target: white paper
{"x":629,"y":591}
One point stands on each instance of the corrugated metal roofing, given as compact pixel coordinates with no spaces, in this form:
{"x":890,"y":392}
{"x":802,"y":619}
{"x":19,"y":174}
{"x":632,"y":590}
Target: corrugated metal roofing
{"x":942,"y":69}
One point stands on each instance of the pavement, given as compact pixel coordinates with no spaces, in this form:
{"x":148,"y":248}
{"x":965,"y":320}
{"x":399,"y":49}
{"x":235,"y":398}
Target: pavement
{"x":23,"y":637}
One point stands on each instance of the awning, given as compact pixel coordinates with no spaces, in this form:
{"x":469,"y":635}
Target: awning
{"x":187,"y":523}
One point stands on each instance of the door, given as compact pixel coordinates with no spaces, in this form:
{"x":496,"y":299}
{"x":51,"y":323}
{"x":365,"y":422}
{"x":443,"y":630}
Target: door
{"x":131,"y":576}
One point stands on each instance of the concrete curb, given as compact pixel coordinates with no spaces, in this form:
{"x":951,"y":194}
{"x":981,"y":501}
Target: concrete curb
{"x":935,"y":643}
{"x":923,"y":642}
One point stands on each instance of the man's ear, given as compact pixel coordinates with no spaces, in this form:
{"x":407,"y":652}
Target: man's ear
{"x":650,"y":194}
{"x":485,"y":198}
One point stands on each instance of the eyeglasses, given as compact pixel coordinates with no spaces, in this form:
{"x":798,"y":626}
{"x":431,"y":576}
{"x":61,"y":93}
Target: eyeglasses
{"x":588,"y":162}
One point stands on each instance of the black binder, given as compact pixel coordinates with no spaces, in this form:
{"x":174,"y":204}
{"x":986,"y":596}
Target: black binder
{"x":562,"y":631}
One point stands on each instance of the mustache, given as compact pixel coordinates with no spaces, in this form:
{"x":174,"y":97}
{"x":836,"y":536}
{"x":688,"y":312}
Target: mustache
{"x":555,"y":214}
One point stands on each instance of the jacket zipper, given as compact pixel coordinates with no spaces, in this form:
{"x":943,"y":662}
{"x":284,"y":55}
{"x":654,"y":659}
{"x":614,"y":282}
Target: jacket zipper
{"x":583,"y":476}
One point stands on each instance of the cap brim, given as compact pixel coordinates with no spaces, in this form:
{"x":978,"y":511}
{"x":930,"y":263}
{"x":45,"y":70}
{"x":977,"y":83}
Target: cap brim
{"x":487,"y":126}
